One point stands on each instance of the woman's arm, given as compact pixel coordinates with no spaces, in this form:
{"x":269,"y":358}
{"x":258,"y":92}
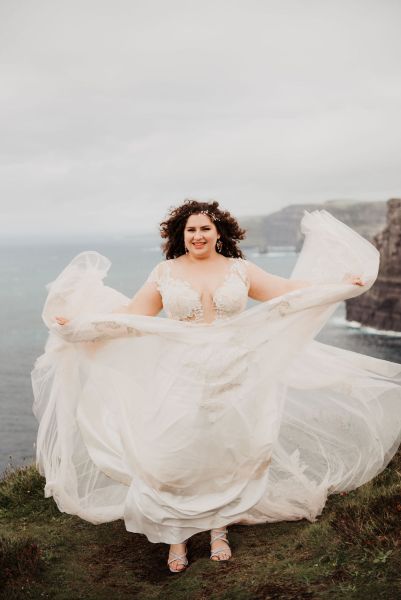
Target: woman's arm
{"x":265,"y":286}
{"x":147,"y":301}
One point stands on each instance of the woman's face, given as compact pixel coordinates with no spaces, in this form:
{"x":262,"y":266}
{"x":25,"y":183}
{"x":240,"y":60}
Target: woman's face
{"x":200,"y":236}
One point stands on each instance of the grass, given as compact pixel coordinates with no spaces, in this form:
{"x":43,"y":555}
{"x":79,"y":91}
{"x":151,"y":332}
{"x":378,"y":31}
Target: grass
{"x":352,"y":552}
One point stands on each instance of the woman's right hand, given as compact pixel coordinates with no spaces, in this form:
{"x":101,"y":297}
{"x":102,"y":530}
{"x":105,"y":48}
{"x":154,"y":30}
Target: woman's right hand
{"x":61,"y":320}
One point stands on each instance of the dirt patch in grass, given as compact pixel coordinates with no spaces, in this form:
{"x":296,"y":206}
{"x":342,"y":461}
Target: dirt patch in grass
{"x":20,"y":559}
{"x":272,"y":591}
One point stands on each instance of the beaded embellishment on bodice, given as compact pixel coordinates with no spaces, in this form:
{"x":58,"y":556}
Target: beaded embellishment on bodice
{"x":181,"y":301}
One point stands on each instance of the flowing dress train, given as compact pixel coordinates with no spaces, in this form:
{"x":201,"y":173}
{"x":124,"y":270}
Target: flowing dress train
{"x":178,"y":426}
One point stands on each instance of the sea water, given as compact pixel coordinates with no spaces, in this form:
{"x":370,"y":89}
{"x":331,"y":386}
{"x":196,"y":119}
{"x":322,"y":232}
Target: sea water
{"x":25,"y":269}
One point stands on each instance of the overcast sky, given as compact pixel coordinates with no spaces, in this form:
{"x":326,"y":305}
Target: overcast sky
{"x":112,"y":111}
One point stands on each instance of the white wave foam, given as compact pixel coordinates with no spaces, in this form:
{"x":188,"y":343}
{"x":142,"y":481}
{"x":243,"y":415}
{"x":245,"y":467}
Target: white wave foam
{"x":364,"y":328}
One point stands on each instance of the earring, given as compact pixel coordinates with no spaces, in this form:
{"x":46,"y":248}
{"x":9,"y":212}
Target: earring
{"x":219,"y":245}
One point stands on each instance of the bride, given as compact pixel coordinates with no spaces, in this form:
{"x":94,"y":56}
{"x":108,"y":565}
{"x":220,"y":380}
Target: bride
{"x":217,"y":414}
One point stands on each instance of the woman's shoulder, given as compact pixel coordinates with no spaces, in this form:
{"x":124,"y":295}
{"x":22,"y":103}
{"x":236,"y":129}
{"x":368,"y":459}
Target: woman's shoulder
{"x":241,"y":261}
{"x":252,"y":271}
{"x":158,"y":271}
{"x":242,"y":267}
{"x":248,"y":264}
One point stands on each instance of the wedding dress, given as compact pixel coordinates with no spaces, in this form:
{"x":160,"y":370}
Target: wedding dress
{"x":178,"y":426}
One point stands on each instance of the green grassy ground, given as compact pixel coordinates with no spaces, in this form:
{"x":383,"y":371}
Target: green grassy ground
{"x":353,"y":551}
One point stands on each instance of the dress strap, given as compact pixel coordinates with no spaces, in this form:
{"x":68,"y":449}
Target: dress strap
{"x":240,"y":265}
{"x":160,"y":273}
{"x":154,"y":275}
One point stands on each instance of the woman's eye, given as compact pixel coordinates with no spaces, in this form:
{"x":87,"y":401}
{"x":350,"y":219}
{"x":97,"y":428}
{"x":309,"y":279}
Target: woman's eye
{"x":202,"y":229}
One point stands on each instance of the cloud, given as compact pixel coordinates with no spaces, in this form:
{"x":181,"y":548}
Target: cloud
{"x":112,"y":112}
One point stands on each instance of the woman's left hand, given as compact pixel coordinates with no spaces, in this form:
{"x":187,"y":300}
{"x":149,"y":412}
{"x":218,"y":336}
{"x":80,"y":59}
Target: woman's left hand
{"x":354,"y":279}
{"x":61,"y":320}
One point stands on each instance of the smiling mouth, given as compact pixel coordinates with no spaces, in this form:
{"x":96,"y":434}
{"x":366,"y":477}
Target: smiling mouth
{"x":198,"y":243}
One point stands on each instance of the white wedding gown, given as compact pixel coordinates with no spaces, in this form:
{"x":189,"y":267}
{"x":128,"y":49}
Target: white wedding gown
{"x":178,"y":426}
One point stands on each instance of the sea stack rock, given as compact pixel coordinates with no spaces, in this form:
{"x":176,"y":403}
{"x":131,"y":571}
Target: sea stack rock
{"x":380,"y":307}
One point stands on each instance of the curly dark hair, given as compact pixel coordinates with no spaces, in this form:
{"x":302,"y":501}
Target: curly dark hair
{"x":172,"y":229}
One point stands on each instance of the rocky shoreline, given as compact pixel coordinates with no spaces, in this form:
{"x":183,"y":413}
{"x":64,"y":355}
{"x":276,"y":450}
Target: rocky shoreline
{"x":380,"y":307}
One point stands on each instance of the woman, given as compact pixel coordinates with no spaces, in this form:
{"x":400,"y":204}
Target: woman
{"x":218,"y":414}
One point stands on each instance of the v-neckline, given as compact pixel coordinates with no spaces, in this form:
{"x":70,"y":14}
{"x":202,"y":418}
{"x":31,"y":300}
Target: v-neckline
{"x":193,"y":288}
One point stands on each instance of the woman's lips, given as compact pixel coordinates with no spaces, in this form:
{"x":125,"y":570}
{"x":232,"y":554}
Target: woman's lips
{"x":199,"y":244}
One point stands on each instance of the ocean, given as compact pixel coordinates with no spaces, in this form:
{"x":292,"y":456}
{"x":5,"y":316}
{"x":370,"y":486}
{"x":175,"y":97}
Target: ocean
{"x":26,"y":269}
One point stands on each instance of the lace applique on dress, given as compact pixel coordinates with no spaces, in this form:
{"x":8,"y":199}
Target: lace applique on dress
{"x":181,"y":301}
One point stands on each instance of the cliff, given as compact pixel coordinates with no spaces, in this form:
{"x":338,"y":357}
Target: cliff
{"x":380,"y":307}
{"x":282,"y":227}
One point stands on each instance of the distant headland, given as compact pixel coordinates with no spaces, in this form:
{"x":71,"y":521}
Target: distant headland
{"x":281,"y":229}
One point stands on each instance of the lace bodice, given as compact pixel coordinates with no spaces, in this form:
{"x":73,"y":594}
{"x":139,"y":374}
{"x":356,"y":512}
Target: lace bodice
{"x":181,"y":301}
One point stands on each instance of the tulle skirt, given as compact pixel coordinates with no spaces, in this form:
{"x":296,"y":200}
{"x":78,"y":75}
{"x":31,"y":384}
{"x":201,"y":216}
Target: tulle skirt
{"x":179,"y":427}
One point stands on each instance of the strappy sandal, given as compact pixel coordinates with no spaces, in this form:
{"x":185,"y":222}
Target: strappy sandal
{"x":220,"y":534}
{"x":181,"y":558}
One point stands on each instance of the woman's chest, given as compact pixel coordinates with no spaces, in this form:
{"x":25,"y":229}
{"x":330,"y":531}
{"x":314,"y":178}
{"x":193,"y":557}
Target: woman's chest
{"x":205,"y":303}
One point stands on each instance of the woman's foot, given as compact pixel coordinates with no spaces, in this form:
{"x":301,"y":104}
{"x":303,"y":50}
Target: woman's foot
{"x":177,"y":558}
{"x":220,"y":549}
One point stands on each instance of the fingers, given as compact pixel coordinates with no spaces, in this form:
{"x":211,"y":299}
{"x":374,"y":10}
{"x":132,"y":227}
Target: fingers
{"x":353,"y":279}
{"x":61,"y":320}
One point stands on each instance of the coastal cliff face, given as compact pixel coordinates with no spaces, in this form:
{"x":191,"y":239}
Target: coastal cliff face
{"x":281,"y":229}
{"x":380,"y":307}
